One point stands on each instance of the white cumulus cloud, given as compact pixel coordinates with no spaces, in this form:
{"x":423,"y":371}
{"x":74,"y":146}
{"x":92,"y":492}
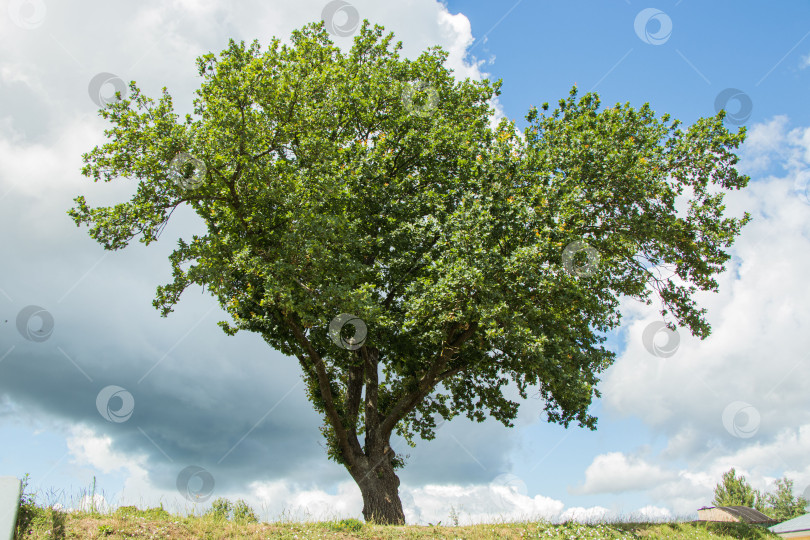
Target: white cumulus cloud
{"x":616,"y":472}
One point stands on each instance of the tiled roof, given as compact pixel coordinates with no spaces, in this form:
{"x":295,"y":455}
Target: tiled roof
{"x":747,"y":514}
{"x":801,"y":523}
{"x":743,"y":513}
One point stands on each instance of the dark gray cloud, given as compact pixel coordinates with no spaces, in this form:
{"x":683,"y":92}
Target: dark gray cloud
{"x":205,"y":403}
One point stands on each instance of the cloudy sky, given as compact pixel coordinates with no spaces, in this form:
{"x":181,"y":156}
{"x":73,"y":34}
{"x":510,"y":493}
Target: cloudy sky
{"x":94,"y":383}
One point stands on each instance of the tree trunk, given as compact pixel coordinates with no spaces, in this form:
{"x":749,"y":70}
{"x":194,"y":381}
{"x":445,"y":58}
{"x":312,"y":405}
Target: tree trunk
{"x":374,"y":471}
{"x":380,"y":488}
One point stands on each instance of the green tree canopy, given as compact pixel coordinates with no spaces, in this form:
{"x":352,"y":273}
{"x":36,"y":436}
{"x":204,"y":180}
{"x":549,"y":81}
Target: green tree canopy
{"x":734,"y":490}
{"x":781,"y":504}
{"x":366,"y":187}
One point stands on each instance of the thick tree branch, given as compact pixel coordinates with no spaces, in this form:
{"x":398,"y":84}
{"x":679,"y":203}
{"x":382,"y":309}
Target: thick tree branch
{"x":428,"y":381}
{"x":349,"y":446}
{"x":370,"y":361}
{"x":354,"y":388}
{"x":450,"y":372}
{"x":306,"y":367}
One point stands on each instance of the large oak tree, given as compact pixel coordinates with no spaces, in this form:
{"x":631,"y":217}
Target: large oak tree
{"x":368,"y":186}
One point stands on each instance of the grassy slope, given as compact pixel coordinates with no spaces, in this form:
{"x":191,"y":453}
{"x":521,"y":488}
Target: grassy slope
{"x":129,"y":523}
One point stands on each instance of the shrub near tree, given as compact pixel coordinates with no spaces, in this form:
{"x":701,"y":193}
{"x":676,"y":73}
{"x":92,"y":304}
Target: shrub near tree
{"x":369,"y":188}
{"x":240,"y":512}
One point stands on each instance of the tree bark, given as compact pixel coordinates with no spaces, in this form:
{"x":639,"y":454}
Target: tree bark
{"x":379,"y":486}
{"x":376,"y":478}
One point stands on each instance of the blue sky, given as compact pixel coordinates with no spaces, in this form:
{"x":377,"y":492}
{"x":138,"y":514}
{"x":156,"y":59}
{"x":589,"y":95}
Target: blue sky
{"x":542,"y":48}
{"x":668,"y":427}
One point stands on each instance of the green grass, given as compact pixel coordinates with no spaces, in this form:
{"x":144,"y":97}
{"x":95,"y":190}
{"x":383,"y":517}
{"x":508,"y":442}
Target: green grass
{"x":237,"y":520}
